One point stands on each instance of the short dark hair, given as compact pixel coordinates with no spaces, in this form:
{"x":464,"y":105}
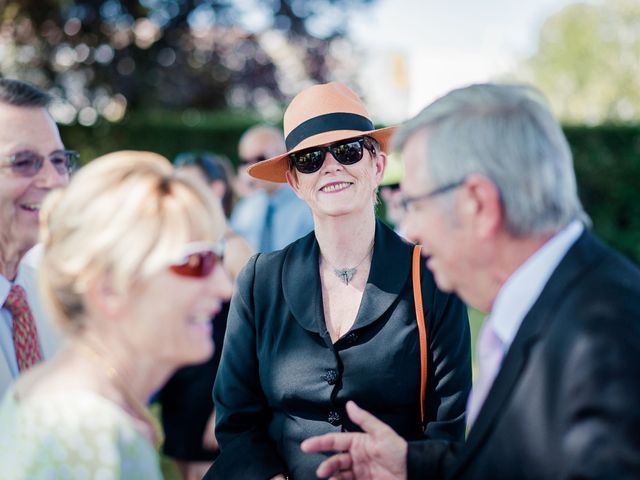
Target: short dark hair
{"x":22,"y":94}
{"x":213,"y":167}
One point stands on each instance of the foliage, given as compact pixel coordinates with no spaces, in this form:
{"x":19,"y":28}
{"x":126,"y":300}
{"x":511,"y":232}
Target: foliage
{"x":607,"y":160}
{"x":163,"y":132}
{"x":107,"y":56}
{"x":588,"y":62}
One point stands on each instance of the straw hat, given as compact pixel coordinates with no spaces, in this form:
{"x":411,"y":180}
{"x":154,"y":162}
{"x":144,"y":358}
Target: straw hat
{"x":320,"y":115}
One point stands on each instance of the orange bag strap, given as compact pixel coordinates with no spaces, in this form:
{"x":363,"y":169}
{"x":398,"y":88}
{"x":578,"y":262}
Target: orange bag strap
{"x":422,"y":329}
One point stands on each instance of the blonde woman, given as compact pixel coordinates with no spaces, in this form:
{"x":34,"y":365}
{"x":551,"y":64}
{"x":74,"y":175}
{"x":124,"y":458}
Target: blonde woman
{"x":131,"y":272}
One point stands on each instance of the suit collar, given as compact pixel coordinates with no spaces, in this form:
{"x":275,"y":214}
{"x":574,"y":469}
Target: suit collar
{"x":390,"y":268}
{"x":578,"y":259}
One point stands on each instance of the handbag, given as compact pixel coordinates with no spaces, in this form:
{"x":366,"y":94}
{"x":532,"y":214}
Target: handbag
{"x":422,"y":329}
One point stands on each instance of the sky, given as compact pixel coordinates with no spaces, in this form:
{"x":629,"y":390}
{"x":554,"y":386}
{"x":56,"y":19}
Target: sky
{"x":442,"y":45}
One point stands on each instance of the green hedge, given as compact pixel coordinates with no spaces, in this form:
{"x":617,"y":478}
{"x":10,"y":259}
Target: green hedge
{"x":607,"y":159}
{"x":165,"y":133}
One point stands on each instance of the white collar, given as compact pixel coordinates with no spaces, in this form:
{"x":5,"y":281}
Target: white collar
{"x":5,"y":287}
{"x":523,"y":287}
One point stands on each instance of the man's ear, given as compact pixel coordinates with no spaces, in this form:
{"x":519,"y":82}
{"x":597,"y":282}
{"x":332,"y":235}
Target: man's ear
{"x":481,"y":205}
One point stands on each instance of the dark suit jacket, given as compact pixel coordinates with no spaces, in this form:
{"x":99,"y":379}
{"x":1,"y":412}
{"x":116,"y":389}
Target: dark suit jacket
{"x":281,"y":379}
{"x":566,"y":402}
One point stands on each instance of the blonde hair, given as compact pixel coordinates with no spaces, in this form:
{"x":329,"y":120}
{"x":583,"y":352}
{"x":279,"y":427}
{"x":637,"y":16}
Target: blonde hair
{"x":123,"y":217}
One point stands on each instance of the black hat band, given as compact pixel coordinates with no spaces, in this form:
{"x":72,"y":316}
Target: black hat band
{"x":328,"y":122}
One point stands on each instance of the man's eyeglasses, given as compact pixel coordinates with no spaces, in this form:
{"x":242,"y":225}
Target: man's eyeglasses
{"x":406,"y":201}
{"x":346,"y":152}
{"x":28,"y":163}
{"x":198,"y":259}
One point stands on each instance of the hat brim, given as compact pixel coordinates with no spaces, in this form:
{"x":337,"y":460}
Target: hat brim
{"x":274,"y":169}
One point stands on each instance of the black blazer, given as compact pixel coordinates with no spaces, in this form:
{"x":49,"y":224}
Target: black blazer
{"x":566,"y":402}
{"x":282,"y":380}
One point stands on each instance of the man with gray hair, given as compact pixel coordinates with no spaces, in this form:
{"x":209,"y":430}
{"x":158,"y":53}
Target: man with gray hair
{"x":32,"y":163}
{"x":491,"y":194}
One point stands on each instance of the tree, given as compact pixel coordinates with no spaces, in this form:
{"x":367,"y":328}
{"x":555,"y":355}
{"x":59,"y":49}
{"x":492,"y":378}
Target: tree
{"x":103,"y":56}
{"x":588,"y":62}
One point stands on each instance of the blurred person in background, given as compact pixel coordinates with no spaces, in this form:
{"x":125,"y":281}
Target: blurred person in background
{"x":216,"y":171}
{"x":491,"y":191}
{"x":187,"y":404}
{"x":331,"y":317}
{"x":391,"y":195}
{"x":272,"y":216}
{"x":33,"y":161}
{"x":131,"y":271}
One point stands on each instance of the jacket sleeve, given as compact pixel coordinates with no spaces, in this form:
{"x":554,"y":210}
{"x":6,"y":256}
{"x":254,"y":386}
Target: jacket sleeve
{"x":600,"y":393}
{"x":449,"y":362}
{"x":246,"y":450}
{"x":431,"y":459}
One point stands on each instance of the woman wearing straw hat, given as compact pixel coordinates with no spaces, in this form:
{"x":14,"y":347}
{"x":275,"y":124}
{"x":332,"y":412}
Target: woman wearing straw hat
{"x":332,"y":316}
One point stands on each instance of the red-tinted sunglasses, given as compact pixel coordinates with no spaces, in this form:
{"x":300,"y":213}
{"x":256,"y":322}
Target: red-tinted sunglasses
{"x":198,"y":259}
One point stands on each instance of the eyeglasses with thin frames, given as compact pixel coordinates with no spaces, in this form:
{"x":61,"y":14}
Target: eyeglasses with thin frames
{"x":28,"y":163}
{"x":406,"y":201}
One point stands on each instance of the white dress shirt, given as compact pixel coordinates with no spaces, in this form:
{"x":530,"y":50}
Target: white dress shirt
{"x":524,"y":286}
{"x":48,"y":335}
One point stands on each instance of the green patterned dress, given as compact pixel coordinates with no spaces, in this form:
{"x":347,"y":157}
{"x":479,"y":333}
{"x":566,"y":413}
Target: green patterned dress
{"x":74,"y":435}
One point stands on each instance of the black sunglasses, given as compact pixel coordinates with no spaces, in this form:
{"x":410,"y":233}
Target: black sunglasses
{"x":346,"y":152}
{"x":28,"y":163}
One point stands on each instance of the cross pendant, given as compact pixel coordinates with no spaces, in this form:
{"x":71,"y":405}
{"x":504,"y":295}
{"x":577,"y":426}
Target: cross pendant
{"x":345,"y":276}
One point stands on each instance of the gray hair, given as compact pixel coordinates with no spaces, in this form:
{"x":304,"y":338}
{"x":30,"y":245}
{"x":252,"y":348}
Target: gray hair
{"x":507,"y":134}
{"x":22,"y":94}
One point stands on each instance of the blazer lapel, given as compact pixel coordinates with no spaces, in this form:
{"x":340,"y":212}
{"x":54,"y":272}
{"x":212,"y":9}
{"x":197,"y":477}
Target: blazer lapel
{"x":390,"y":268}
{"x":301,"y":284}
{"x":580,"y":256}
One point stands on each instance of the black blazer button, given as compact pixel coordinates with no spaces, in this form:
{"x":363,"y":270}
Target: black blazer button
{"x":351,"y":338}
{"x":334,"y":418}
{"x":331,"y":377}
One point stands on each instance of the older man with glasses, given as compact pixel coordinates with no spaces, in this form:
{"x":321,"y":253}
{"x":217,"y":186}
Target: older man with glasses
{"x":33,"y":161}
{"x":492,"y":197}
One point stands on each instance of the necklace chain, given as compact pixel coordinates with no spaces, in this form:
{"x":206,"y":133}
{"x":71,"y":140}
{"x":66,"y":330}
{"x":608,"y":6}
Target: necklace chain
{"x":140,"y":410}
{"x":346,"y":274}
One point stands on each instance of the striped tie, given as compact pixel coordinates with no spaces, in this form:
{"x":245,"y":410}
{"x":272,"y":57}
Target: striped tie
{"x":25,"y":333}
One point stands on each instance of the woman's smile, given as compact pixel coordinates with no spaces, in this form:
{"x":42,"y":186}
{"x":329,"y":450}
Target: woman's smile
{"x":336,"y":187}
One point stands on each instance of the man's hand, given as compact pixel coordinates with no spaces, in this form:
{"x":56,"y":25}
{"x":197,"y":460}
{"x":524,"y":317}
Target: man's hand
{"x":378,"y":453}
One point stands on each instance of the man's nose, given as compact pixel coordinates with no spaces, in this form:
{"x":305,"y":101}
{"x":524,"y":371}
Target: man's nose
{"x":49,"y":177}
